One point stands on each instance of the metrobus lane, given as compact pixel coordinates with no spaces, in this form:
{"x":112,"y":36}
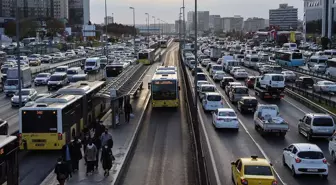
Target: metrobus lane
{"x":227,"y":145}
{"x":272,"y":147}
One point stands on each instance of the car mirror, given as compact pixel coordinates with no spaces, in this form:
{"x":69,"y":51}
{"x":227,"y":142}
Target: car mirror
{"x":233,"y":163}
{"x":286,"y":149}
{"x":300,"y":120}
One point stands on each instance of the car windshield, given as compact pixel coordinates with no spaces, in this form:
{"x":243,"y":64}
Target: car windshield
{"x":251,"y":101}
{"x":72,"y":72}
{"x":327,"y":122}
{"x":208,"y":89}
{"x":241,"y":91}
{"x":310,"y":155}
{"x":217,"y":68}
{"x":90,"y":63}
{"x":60,"y":69}
{"x":277,"y":68}
{"x":277,"y":78}
{"x":257,"y":170}
{"x":254,"y":60}
{"x":41,"y":75}
{"x":228,"y":114}
{"x":201,"y":77}
{"x":329,"y":83}
{"x":219,"y":73}
{"x":11,"y":82}
{"x":297,"y":56}
{"x":214,"y":98}
{"x":23,"y":93}
{"x":56,"y":78}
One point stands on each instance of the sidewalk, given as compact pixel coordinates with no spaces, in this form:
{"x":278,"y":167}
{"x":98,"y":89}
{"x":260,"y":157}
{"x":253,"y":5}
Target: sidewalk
{"x":122,"y":137}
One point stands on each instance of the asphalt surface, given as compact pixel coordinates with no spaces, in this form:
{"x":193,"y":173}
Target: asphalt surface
{"x":227,"y":146}
{"x":163,"y":151}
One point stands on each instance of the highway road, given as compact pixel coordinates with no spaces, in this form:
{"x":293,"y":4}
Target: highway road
{"x":227,"y":146}
{"x":163,"y":152}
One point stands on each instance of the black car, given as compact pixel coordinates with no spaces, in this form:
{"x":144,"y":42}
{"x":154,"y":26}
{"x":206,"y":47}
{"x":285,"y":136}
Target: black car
{"x":247,"y":104}
{"x":226,"y":81}
{"x":199,"y":70}
{"x":304,"y":82}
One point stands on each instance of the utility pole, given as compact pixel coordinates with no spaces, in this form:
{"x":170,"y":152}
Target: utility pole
{"x":179,"y":31}
{"x":147,"y":28}
{"x":18,"y":51}
{"x":154,"y":23}
{"x":105,"y":21}
{"x":159,"y":28}
{"x":134,"y":29}
{"x":183,"y":24}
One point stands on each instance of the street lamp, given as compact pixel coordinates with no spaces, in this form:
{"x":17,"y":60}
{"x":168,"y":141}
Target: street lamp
{"x":159,"y":28}
{"x":147,"y":28}
{"x":105,"y":20}
{"x":133,"y":27}
{"x":154,"y":22}
{"x":183,"y":24}
{"x":18,"y":51}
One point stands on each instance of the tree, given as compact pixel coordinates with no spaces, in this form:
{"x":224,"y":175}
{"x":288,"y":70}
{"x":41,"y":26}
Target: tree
{"x":324,"y":42}
{"x":27,"y":27}
{"x":54,"y":27}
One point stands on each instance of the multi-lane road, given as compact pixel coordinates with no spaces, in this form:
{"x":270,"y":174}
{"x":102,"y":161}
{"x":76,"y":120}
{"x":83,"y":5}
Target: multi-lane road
{"x":227,"y":146}
{"x":163,"y":152}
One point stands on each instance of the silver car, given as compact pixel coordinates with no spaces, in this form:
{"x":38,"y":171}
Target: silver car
{"x":26,"y":96}
{"x":289,"y":75}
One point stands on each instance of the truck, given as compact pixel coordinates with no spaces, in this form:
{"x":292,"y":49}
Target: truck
{"x":228,"y":62}
{"x":269,"y":91}
{"x":267,"y":120}
{"x":215,"y":53}
{"x":12,"y":80}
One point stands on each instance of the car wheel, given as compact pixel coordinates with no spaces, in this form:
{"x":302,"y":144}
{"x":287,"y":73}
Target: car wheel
{"x":293,"y":172}
{"x":325,"y":176}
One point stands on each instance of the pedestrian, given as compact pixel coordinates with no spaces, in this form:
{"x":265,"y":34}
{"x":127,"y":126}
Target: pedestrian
{"x":106,"y":139}
{"x":128,"y":111}
{"x":106,"y":159}
{"x":90,"y":155}
{"x":76,"y":154}
{"x":100,"y":129}
{"x":85,"y":142}
{"x":67,"y":153}
{"x":97,"y":143}
{"x":61,"y":171}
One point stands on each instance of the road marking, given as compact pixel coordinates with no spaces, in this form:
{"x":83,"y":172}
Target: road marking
{"x":295,"y":106}
{"x":248,"y":133}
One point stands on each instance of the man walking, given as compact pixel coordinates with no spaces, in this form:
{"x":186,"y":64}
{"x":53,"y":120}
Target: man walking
{"x":90,"y":155}
{"x":128,"y":111}
{"x":106,"y":139}
{"x":66,"y":155}
{"x":76,"y":146}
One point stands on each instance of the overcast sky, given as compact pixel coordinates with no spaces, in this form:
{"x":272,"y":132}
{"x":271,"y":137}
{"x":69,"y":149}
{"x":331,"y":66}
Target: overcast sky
{"x":168,"y":10}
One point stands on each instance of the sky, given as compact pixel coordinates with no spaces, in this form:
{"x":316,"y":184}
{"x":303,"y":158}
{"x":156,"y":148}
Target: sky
{"x":168,"y":10}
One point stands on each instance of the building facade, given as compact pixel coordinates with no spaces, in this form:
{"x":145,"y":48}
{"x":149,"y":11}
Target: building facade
{"x":232,"y":23}
{"x":6,"y":8}
{"x":212,"y":19}
{"x":179,"y":25}
{"x":203,"y":18}
{"x":285,"y":17}
{"x":79,"y":12}
{"x":60,"y":9}
{"x":190,"y":21}
{"x":254,"y":24}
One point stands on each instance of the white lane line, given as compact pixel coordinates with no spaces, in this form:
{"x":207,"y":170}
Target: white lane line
{"x":248,"y":133}
{"x":295,"y":106}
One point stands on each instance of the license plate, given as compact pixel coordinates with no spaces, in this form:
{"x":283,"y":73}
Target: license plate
{"x":250,"y":108}
{"x":39,"y":144}
{"x":312,"y":170}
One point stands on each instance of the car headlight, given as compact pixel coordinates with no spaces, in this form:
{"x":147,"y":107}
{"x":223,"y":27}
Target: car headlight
{"x":12,"y":99}
{"x":25,"y":99}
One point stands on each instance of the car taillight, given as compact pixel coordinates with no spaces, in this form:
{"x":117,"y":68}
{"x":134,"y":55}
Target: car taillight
{"x":218,"y":119}
{"x":274,"y":182}
{"x":297,"y":160}
{"x":244,"y":182}
{"x":60,"y":136}
{"x":325,"y":161}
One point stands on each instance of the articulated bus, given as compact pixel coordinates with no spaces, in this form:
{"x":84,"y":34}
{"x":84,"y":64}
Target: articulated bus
{"x":9,"y":164}
{"x":165,"y":90}
{"x":146,"y":56}
{"x":114,"y":69}
{"x":289,"y":58}
{"x":163,"y":43}
{"x":50,"y":122}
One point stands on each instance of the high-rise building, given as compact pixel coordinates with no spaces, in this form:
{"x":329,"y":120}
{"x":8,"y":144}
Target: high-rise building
{"x":60,"y":9}
{"x":203,"y":20}
{"x":285,"y":17}
{"x":212,"y":21}
{"x":33,"y":8}
{"x":108,"y":20}
{"x":79,"y":12}
{"x":232,"y":23}
{"x":254,"y":24}
{"x":190,"y":21}
{"x":6,"y":8}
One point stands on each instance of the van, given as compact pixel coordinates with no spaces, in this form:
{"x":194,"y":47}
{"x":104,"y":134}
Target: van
{"x":215,"y":68}
{"x":212,"y":101}
{"x":73,"y":71}
{"x":61,"y":69}
{"x":92,"y":65}
{"x":276,"y":69}
{"x":316,"y":125}
{"x":251,"y":61}
{"x":57,"y":80}
{"x":206,"y":88}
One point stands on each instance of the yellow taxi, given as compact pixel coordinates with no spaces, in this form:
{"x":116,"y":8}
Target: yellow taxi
{"x":252,"y":171}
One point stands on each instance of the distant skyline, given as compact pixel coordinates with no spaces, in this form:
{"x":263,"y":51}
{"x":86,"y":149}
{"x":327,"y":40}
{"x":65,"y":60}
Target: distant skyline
{"x":168,"y":10}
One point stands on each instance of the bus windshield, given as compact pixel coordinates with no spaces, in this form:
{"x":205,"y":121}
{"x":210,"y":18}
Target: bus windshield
{"x":297,"y":56}
{"x":38,"y":121}
{"x":164,"y":91}
{"x":143,"y":55}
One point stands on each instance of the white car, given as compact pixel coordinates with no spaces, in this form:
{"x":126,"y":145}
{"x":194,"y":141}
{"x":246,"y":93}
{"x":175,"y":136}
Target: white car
{"x":240,"y":73}
{"x":205,"y":62}
{"x":233,"y":69}
{"x":218,"y":75}
{"x":225,"y":118}
{"x":289,"y":75}
{"x":201,"y":82}
{"x":305,"y":158}
{"x":26,"y":96}
{"x":212,"y":101}
{"x":324,"y":86}
{"x":42,"y":79}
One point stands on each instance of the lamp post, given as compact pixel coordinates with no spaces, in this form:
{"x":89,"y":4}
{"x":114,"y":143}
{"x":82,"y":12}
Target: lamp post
{"x":183,"y":24}
{"x":147,"y":28}
{"x":159,"y":28}
{"x":105,"y":20}
{"x":154,"y":23}
{"x":195,"y":45}
{"x":18,"y":51}
{"x":179,"y":27}
{"x":134,"y":28}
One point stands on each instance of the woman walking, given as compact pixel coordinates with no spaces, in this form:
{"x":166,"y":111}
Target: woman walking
{"x":62,"y":171}
{"x":107,"y":158}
